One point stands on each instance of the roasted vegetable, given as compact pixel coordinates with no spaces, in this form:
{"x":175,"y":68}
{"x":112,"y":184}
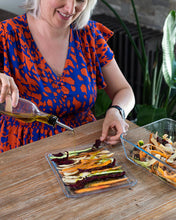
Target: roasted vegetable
{"x":96,"y":177}
{"x":161,"y":148}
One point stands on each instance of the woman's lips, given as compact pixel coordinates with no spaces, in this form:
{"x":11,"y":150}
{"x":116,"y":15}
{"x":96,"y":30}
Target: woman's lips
{"x":64,"y":16}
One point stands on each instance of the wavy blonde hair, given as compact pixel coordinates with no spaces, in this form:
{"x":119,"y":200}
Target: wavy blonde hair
{"x":33,"y":6}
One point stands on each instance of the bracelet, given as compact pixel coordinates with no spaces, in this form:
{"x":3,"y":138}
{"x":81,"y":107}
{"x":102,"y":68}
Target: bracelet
{"x":122,"y":113}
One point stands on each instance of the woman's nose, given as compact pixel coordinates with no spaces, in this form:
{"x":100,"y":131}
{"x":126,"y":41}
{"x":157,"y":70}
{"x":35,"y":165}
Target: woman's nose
{"x":70,"y":6}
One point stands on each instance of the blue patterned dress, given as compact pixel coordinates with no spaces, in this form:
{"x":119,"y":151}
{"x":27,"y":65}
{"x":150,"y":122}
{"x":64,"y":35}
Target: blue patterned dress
{"x":70,"y":96}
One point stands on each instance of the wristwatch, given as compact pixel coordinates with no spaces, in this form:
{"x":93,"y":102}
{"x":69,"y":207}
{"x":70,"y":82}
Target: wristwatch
{"x":122,"y":112}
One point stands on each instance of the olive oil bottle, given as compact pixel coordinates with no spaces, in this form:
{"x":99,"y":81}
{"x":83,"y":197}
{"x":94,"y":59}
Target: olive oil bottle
{"x":27,"y":111}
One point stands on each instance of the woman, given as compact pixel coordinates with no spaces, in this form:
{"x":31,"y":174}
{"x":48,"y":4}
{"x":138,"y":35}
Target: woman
{"x":56,"y":58}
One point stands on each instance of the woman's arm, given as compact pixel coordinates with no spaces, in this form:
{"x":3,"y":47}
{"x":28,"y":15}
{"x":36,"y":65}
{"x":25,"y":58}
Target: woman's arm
{"x":122,"y":95}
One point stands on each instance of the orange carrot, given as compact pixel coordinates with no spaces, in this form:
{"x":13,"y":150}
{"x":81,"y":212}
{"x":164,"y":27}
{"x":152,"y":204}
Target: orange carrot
{"x":84,"y":190}
{"x":171,"y":164}
{"x":158,"y":152}
{"x":142,"y":155}
{"x":152,"y":170}
{"x":87,"y":165}
{"x":109,"y":182}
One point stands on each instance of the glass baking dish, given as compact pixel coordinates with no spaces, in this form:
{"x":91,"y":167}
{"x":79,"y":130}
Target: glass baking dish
{"x":147,"y":147}
{"x":127,"y":180}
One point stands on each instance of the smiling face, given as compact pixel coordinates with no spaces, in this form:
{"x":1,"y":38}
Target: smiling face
{"x":61,"y":13}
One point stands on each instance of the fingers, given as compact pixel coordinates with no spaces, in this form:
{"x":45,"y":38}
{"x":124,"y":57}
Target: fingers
{"x":8,"y":87}
{"x":8,"y":105}
{"x":15,"y":93}
{"x":111,"y":131}
{"x":104,"y":132}
{"x":125,"y":126}
{"x":5,"y":87}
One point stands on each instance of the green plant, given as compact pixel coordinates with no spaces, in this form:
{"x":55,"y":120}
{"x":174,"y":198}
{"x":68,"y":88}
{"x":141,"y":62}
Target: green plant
{"x":168,"y":46}
{"x":102,"y":103}
{"x":157,"y":103}
{"x":142,"y":57}
{"x":163,"y":79}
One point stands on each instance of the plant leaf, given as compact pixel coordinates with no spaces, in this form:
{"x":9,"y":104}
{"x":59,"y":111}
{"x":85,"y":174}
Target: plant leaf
{"x":102,"y":103}
{"x":168,"y":43}
{"x":147,"y":114}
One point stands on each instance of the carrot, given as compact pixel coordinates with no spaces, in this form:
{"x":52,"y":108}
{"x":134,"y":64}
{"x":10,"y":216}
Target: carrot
{"x":86,"y":165}
{"x":95,"y":165}
{"x":152,"y":170}
{"x":168,"y":177}
{"x":151,"y":138}
{"x":160,"y":171}
{"x":171,"y":164}
{"x":142,"y":155}
{"x":102,"y":183}
{"x":83,"y":162}
{"x":158,"y":152}
{"x":160,"y":149}
{"x":84,"y":190}
{"x":172,"y":177}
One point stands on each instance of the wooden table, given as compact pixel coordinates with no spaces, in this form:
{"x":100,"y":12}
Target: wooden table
{"x":29,"y":189}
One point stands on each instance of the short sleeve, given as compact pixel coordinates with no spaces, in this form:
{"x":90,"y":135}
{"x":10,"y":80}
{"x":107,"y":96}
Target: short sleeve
{"x":99,"y":36}
{"x":1,"y":47}
{"x":103,"y":51}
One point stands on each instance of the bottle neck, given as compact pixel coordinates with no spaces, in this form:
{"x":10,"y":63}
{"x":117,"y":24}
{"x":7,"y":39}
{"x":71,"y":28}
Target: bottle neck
{"x":52,"y":120}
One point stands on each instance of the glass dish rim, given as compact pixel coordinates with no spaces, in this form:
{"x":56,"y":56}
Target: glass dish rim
{"x":132,"y":180}
{"x":138,"y":128}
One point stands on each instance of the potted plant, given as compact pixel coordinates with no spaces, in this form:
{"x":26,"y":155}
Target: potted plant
{"x":163,"y":100}
{"x":159,"y":95}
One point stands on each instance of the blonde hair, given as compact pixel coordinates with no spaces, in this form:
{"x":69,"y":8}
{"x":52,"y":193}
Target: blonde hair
{"x":33,"y":6}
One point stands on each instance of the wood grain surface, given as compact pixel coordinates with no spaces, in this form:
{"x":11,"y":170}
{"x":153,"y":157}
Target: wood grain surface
{"x":29,"y":189}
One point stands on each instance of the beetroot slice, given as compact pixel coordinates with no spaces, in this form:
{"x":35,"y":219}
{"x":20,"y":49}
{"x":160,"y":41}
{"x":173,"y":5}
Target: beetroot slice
{"x":81,"y":183}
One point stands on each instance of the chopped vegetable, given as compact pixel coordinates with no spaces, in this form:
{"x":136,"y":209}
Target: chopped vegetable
{"x":84,"y":190}
{"x":162,"y":148}
{"x":108,"y":182}
{"x":140,"y":142}
{"x":100,"y":185}
{"x":96,"y":177}
{"x":89,"y":169}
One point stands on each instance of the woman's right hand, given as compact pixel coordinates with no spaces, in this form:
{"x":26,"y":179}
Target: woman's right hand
{"x":8,"y":87}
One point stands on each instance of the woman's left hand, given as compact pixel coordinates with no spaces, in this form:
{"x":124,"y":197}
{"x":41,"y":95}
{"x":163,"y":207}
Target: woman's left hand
{"x":113,"y":122}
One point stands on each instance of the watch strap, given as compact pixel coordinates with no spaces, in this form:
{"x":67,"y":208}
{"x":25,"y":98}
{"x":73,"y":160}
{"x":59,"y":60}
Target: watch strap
{"x":122,"y":112}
